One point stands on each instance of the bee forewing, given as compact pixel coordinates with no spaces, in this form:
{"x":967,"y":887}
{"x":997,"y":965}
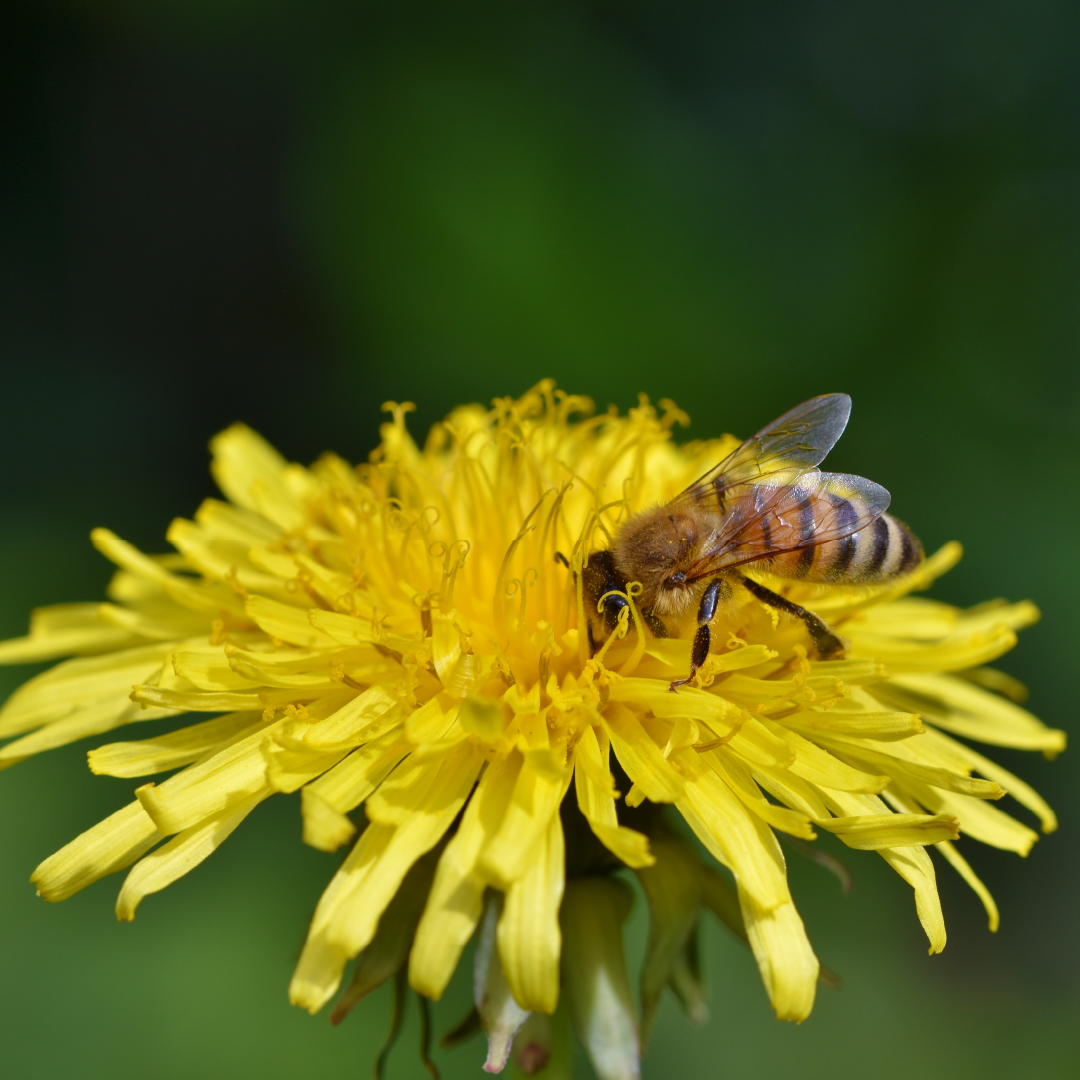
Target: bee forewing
{"x":791,"y":515}
{"x":797,"y":441}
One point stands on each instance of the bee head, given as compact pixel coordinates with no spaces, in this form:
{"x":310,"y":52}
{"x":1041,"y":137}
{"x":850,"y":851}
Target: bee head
{"x":656,"y":548}
{"x":674,"y":595}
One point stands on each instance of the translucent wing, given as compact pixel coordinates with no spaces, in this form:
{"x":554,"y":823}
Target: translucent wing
{"x":792,"y":444}
{"x":790,"y":511}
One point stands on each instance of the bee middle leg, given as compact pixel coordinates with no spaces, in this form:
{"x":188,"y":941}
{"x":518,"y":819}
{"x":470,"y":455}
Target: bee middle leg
{"x":699,"y":653}
{"x":828,"y":645}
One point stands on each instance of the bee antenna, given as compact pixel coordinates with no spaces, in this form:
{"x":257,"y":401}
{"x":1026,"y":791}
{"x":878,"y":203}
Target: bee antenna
{"x":560,"y":557}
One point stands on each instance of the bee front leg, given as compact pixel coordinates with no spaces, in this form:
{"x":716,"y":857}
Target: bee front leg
{"x":699,"y":653}
{"x":828,"y":645}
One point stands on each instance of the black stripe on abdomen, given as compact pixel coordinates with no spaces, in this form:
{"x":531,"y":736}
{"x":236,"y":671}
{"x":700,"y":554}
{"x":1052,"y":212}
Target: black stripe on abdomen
{"x":846,"y":519}
{"x":880,"y":550}
{"x":766,"y":534}
{"x":806,"y":535}
{"x":910,"y":552}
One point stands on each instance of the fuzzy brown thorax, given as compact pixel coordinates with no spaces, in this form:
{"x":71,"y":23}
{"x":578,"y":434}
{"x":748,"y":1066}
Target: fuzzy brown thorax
{"x":657,"y":547}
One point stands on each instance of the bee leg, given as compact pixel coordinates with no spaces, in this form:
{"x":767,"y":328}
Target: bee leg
{"x":703,"y":638}
{"x":825,"y":641}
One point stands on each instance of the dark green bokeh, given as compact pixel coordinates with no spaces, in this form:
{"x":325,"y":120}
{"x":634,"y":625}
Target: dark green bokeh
{"x":288,"y":213}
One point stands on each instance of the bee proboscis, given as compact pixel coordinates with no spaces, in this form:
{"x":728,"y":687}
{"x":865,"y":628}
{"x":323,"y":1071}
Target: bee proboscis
{"x":766,"y":508}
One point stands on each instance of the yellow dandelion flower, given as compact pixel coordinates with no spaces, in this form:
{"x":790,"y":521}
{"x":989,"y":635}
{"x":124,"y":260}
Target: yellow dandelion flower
{"x":443,"y":638}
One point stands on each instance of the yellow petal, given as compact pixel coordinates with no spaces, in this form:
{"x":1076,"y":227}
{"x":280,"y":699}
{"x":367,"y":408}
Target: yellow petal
{"x":728,"y":767}
{"x":963,"y":649}
{"x":109,"y":846}
{"x":483,"y":718}
{"x":319,"y":671}
{"x":961,"y":866}
{"x":179,"y":856}
{"x":346,"y":629}
{"x":886,"y":727}
{"x":322,"y":962}
{"x":640,"y":756}
{"x":958,"y":863}
{"x":65,"y":630}
{"x":348,"y":784}
{"x":791,"y":790}
{"x":172,"y":750}
{"x":325,"y":828}
{"x":197,"y":596}
{"x":251,"y":473}
{"x":331,"y":586}
{"x":1023,"y":793}
{"x":454,"y":905}
{"x":900,"y":763}
{"x":736,"y":838}
{"x":915,"y":867}
{"x":656,"y":695}
{"x":911,"y":863}
{"x":870,"y":832}
{"x":357,"y":629}
{"x":367,"y":716}
{"x":288,"y":770}
{"x":100,"y":682}
{"x":748,"y":692}
{"x":161,"y":623}
{"x":746,"y":845}
{"x":977,"y":819}
{"x":957,"y":706}
{"x":756,"y":743}
{"x":445,"y":645}
{"x":348,"y":913}
{"x":789,"y":969}
{"x":207,"y":667}
{"x":218,"y":557}
{"x":235,"y":524}
{"x":528,"y":934}
{"x":508,"y":855}
{"x":596,"y":800}
{"x":286,"y":622}
{"x":230,"y":777}
{"x":821,"y":768}
{"x":433,"y":719}
{"x":201,"y":701}
{"x":675,"y":653}
{"x":95,"y":719}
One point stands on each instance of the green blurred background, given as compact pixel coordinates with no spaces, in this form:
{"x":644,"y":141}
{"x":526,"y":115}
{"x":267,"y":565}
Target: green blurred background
{"x":289,"y":212}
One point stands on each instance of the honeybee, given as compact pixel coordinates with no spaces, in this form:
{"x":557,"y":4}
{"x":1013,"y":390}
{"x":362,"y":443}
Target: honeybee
{"x":768,"y":508}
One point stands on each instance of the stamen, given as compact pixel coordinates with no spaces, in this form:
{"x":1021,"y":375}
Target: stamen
{"x":450,"y":570}
{"x":520,"y":588}
{"x":232,"y":579}
{"x":702,"y":748}
{"x":633,"y":590}
{"x":502,"y":581}
{"x":398,"y":411}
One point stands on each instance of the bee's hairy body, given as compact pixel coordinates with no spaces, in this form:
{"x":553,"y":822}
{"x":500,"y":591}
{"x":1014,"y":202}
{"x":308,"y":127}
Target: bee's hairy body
{"x":765,"y":508}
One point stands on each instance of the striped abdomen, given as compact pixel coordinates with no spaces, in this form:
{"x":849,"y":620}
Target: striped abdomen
{"x":885,"y":548}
